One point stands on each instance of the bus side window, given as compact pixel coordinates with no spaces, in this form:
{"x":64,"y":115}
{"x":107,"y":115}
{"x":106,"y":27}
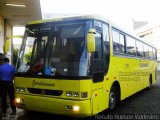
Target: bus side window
{"x":139,"y":48}
{"x":146,"y":51}
{"x":118,"y":42}
{"x":115,"y":37}
{"x":154,"y":53}
{"x":151,"y":53}
{"x":131,"y":48}
{"x":122,"y":43}
{"x":155,"y":50}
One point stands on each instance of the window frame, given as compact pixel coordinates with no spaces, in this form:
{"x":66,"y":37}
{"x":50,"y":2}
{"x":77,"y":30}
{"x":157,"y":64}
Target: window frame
{"x":119,"y":34}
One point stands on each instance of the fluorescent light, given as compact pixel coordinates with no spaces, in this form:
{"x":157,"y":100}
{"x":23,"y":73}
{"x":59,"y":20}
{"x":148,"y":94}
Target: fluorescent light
{"x":16,"y":5}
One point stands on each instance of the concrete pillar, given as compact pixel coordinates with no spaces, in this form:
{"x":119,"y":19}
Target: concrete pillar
{"x":8,"y":32}
{"x":5,"y":30}
{"x":1,"y":34}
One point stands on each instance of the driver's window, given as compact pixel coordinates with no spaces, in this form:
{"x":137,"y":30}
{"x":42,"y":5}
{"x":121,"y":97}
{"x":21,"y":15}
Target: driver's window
{"x":43,"y":45}
{"x":98,"y":69}
{"x":27,"y":54}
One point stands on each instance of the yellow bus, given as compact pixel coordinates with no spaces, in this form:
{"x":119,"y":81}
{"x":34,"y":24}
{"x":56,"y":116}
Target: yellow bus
{"x":80,"y":66}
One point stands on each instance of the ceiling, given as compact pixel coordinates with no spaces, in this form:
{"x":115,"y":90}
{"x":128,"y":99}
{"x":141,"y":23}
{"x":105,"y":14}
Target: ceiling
{"x":20,"y":16}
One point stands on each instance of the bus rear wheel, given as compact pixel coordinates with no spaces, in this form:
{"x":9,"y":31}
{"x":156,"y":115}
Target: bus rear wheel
{"x":113,"y":98}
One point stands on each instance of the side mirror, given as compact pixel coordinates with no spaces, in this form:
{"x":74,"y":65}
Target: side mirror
{"x":7,"y":42}
{"x":6,"y":45}
{"x":91,"y":40}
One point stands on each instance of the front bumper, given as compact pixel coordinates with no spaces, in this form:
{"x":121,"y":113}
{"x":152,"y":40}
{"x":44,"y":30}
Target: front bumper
{"x":54,"y":105}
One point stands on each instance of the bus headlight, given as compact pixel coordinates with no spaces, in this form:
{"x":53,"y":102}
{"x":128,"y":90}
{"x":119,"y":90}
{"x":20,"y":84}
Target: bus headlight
{"x":72,"y":94}
{"x":20,"y":89}
{"x":18,"y":100}
{"x":74,"y":108}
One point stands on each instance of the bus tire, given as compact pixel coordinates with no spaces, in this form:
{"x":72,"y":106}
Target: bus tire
{"x":113,"y":98}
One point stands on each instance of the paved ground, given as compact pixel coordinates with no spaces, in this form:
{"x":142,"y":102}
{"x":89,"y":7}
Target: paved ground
{"x":142,"y":105}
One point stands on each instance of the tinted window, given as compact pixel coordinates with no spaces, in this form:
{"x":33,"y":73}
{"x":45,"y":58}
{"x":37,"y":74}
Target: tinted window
{"x":106,"y":39}
{"x":122,"y":43}
{"x":98,"y":51}
{"x":98,"y":64}
{"x":106,"y":47}
{"x":154,"y":53}
{"x":139,"y":48}
{"x":118,"y":42}
{"x":146,"y":51}
{"x":150,"y":53}
{"x":115,"y":36}
{"x":131,"y":49}
{"x":65,"y":51}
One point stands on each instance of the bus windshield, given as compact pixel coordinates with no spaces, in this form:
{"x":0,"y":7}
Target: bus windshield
{"x":57,"y":51}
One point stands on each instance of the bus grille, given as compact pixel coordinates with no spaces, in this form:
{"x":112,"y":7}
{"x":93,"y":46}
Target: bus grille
{"x":45,"y":92}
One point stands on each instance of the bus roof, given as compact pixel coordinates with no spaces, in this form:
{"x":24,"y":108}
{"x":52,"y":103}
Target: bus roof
{"x":96,"y":17}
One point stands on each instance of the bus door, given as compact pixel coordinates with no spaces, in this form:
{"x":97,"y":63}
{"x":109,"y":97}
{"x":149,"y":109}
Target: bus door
{"x":98,"y":74}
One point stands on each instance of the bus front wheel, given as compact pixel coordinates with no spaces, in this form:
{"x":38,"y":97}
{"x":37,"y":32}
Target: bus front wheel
{"x":113,"y":98}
